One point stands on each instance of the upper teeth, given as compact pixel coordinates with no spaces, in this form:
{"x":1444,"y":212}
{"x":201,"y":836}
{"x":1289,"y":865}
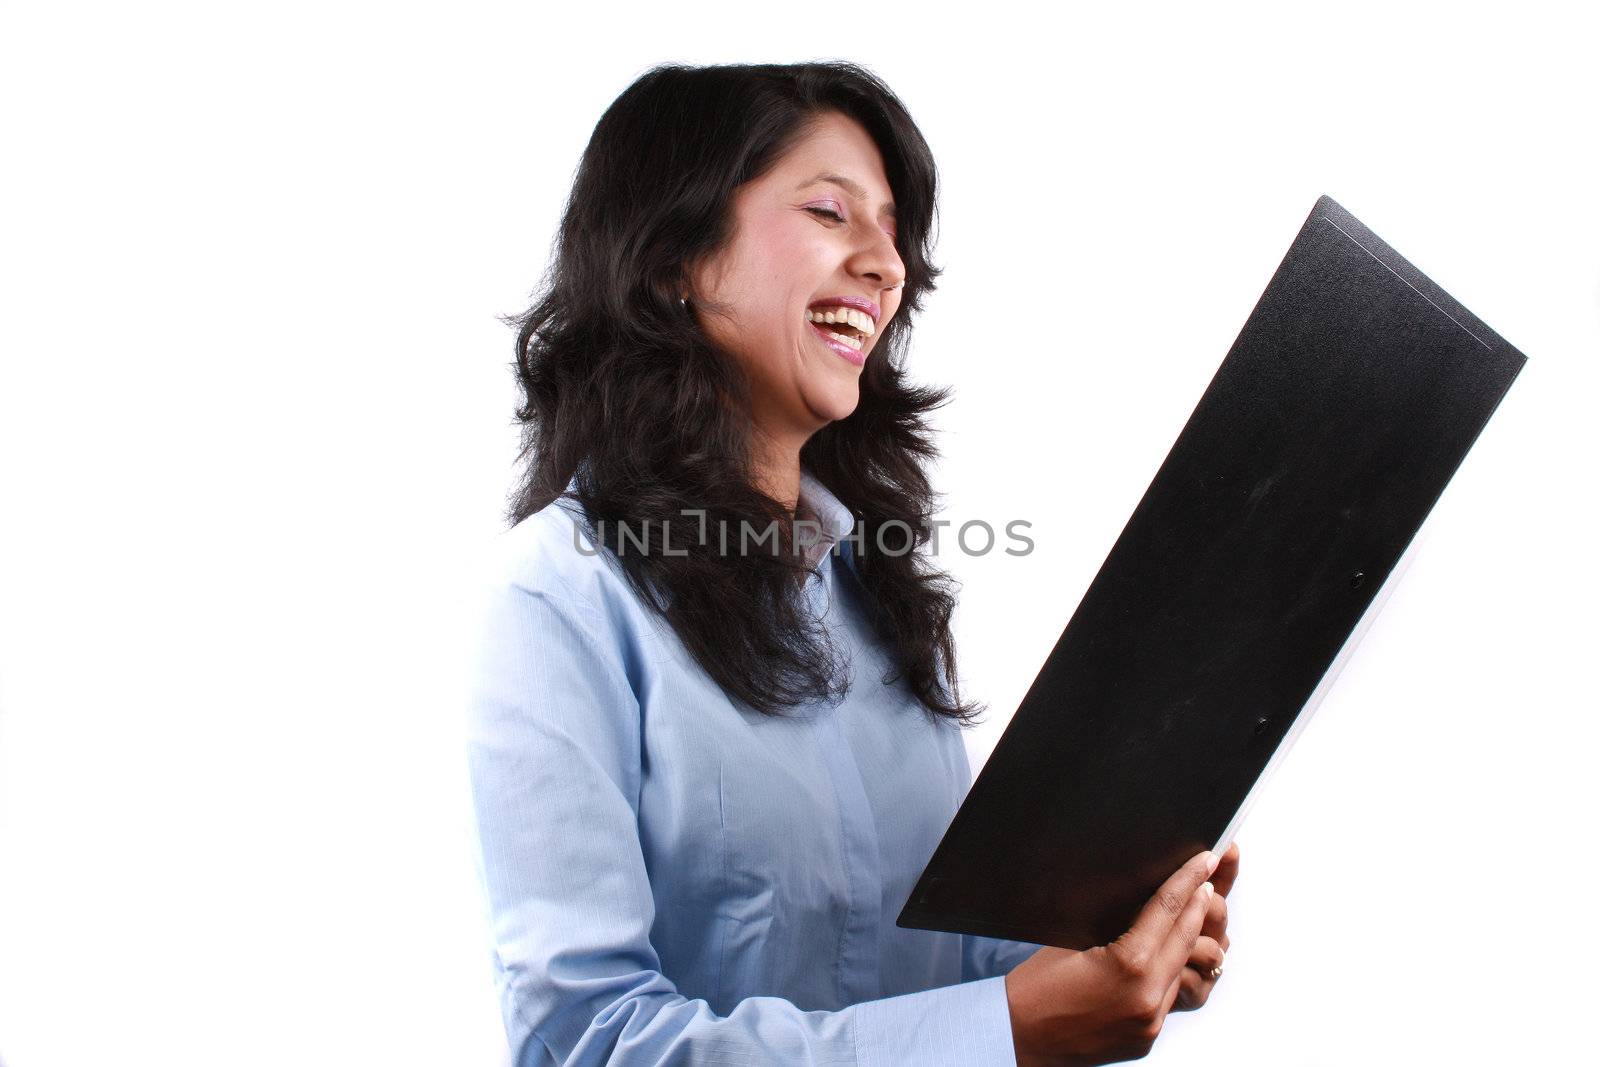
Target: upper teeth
{"x":849,"y":316}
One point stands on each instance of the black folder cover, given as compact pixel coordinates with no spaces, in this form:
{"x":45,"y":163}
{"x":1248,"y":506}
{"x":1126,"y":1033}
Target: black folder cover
{"x":1346,"y":404}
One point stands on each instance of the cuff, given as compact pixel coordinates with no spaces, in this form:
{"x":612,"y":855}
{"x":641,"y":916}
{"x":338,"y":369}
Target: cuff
{"x":966,"y":1024}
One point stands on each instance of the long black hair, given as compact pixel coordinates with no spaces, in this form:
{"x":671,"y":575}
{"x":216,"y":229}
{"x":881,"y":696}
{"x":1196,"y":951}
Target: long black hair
{"x":626,"y":398}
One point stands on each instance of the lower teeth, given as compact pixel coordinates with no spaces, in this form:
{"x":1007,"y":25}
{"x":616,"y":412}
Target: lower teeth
{"x":846,"y":338}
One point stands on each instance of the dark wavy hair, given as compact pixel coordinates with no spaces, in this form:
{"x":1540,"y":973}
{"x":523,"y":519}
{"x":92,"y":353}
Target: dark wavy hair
{"x":627,"y":400}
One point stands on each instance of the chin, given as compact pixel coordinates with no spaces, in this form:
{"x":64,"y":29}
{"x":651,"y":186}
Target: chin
{"x":837,"y":404}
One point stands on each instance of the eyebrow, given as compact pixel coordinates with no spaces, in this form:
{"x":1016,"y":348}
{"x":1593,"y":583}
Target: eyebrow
{"x":851,"y":187}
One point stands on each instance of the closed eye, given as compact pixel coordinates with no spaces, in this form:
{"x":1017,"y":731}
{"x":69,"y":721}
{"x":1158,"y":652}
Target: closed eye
{"x":826,"y":213}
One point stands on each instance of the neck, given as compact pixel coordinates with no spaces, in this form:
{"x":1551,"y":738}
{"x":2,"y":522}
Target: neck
{"x":777,"y":469}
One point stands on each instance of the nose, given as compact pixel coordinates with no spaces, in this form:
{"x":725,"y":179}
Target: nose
{"x":879,"y":260}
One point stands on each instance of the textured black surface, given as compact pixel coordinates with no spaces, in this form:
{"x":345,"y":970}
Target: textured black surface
{"x":1343,"y":408}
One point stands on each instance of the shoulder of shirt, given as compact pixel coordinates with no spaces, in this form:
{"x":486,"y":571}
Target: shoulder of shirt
{"x":551,"y":554}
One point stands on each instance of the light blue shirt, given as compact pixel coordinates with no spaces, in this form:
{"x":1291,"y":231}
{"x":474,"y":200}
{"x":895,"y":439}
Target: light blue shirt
{"x":674,"y":878}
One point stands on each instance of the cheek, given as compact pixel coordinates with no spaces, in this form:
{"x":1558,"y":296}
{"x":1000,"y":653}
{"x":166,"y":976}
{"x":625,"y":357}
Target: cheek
{"x":774,"y":271}
{"x":788,"y":269}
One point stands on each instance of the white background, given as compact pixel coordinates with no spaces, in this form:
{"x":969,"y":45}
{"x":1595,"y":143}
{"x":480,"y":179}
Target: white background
{"x":255,"y":429}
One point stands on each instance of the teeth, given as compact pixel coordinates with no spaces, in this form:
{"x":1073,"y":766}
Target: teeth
{"x":849,"y":339}
{"x":848,"y":316}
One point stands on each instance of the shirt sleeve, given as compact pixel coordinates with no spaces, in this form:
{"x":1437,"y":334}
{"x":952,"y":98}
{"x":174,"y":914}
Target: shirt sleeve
{"x":985,"y":957}
{"x":554,"y":758}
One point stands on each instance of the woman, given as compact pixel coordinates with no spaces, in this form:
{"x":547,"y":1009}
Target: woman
{"x":716,"y":727}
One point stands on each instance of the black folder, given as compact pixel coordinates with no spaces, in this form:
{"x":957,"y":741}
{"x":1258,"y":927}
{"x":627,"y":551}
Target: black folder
{"x":1226,"y":606}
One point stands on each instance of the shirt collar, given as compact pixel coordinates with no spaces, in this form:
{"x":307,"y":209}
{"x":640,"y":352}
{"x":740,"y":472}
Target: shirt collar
{"x":830,"y":513}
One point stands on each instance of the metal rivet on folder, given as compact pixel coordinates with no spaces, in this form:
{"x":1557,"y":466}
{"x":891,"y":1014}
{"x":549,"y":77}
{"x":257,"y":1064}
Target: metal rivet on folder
{"x":1357,"y":578}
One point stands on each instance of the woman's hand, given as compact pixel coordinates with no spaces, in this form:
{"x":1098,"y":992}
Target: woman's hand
{"x":1196,"y":981}
{"x":1070,"y":1009}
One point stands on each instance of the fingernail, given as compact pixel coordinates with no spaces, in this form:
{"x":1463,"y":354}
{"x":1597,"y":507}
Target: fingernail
{"x":1207,"y":889}
{"x":1212,"y":859}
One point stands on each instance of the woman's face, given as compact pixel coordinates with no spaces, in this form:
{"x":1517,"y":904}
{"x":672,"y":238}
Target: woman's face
{"x":815,"y":232}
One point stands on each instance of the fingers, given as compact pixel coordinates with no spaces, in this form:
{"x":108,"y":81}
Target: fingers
{"x":1227,"y":869}
{"x":1192,"y":985}
{"x":1196,"y":981}
{"x":1193,"y":989}
{"x":1185,"y":932}
{"x":1188,"y":997}
{"x":1178,"y":995}
{"x":1216,"y":924}
{"x":1151,"y":931}
{"x":1206,"y":955}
